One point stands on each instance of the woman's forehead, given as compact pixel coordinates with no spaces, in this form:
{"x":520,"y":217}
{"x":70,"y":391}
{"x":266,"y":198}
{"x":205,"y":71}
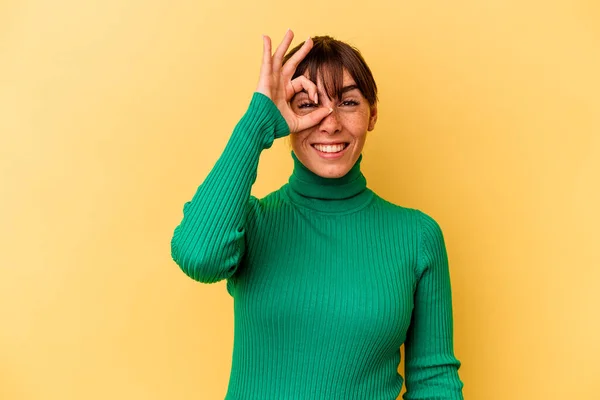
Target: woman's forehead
{"x":332,"y":81}
{"x":330,"y":75}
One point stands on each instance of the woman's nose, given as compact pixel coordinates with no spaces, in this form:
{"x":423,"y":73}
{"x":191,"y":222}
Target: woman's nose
{"x":331,"y":124}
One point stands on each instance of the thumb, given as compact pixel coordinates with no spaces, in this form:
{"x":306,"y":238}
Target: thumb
{"x":313,"y":118}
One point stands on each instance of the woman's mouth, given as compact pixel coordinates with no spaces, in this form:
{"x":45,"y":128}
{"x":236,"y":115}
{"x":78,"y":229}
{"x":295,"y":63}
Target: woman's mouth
{"x":333,"y":150}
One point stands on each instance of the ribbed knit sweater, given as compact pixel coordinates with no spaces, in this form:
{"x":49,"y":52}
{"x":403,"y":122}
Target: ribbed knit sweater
{"x":328,"y":279}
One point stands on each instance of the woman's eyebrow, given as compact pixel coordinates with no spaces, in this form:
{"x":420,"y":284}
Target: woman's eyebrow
{"x":349,"y":88}
{"x":344,"y":89}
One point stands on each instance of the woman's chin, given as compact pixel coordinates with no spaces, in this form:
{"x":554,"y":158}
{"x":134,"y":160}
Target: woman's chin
{"x":331,"y":171}
{"x":328,"y":166}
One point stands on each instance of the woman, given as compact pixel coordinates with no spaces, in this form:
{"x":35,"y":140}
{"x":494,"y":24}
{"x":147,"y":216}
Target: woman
{"x":328,"y":279}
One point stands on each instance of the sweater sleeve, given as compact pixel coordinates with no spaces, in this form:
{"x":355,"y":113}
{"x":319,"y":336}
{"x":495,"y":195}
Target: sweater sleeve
{"x":430,"y":366}
{"x":209,"y":242}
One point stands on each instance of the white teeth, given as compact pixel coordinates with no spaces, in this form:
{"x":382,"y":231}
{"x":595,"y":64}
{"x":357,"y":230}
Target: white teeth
{"x":329,"y":148}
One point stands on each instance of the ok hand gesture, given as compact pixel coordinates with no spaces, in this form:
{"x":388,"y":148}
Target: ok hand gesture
{"x":276,"y":83}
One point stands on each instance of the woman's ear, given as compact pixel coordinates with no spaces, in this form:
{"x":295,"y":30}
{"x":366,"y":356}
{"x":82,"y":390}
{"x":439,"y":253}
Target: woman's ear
{"x":372,"y":118}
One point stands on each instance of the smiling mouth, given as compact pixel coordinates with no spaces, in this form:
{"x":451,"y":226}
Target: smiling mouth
{"x":330,"y":148}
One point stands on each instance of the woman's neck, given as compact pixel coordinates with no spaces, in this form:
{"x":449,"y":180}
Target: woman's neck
{"x":331,"y":195}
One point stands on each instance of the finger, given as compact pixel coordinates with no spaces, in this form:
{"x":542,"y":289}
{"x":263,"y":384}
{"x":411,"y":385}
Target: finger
{"x":281,"y":49}
{"x":265,"y":69}
{"x":290,"y":66}
{"x":266,"y":62}
{"x":312,"y":119}
{"x":302,"y":83}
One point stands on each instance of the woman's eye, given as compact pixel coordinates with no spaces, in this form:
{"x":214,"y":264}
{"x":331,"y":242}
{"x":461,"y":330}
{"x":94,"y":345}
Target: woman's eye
{"x":349,"y":103}
{"x":306,"y":105}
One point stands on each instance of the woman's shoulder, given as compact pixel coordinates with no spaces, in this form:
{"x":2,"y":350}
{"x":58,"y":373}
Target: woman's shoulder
{"x":393,"y":208}
{"x":416,"y":215}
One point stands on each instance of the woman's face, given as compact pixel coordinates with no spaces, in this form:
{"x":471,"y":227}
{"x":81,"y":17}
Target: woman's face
{"x":332,"y":147}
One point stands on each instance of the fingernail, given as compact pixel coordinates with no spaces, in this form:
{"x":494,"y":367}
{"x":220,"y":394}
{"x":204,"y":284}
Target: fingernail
{"x":316,"y":98}
{"x":330,"y":110}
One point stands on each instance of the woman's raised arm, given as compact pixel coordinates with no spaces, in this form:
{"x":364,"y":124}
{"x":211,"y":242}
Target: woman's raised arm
{"x":209,"y":242}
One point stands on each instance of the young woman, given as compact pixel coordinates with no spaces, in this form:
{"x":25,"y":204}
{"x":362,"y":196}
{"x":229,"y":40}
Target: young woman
{"x":328,"y":279}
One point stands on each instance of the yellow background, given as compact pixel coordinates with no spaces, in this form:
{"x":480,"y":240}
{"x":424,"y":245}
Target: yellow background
{"x":112,"y":112}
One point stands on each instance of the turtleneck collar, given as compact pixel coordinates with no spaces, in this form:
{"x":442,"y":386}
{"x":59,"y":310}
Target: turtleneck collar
{"x":330,"y":195}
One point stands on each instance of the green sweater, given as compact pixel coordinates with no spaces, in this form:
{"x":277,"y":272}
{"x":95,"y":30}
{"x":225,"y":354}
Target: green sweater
{"x":328,"y":279}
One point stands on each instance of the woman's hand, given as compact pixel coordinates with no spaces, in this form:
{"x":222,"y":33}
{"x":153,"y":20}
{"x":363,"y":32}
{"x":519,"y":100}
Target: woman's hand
{"x":276,"y":83}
